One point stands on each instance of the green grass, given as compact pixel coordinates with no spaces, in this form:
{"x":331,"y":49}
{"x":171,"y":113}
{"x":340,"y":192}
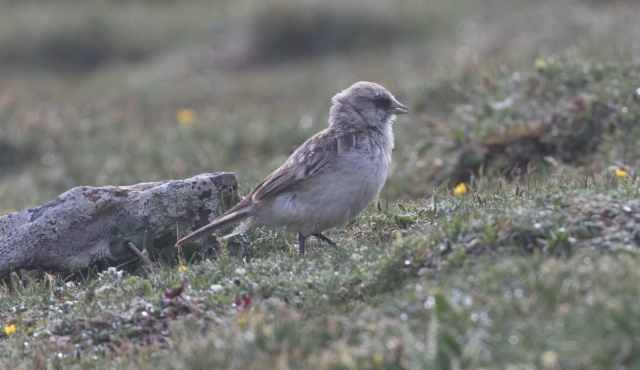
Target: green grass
{"x":535,"y":266}
{"x":514,"y":280}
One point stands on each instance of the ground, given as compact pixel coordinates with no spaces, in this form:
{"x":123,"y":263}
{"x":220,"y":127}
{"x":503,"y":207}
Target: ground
{"x":532,"y":105}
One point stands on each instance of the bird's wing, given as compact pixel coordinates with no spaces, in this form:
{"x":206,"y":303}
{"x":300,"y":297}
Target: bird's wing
{"x":308,"y":160}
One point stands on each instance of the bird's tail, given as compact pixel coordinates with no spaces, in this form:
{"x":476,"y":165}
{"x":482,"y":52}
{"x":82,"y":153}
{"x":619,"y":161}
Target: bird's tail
{"x":218,"y":224}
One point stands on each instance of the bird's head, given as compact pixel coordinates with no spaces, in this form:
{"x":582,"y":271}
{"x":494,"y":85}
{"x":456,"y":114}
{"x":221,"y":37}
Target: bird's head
{"x":365,"y":104}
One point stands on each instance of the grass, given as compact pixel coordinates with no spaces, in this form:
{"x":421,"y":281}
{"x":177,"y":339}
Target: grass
{"x":513,"y":281}
{"x":534,"y":266}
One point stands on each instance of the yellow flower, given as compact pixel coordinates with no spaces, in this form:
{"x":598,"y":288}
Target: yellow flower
{"x":549,"y":359}
{"x":9,"y":330}
{"x":241,"y":320}
{"x":540,"y":64}
{"x":621,"y":173}
{"x":378,"y":358}
{"x":182,"y":269}
{"x":460,"y":189}
{"x":186,"y":116}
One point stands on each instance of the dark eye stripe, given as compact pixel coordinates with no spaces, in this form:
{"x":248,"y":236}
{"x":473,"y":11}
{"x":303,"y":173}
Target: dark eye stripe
{"x":382,"y":102}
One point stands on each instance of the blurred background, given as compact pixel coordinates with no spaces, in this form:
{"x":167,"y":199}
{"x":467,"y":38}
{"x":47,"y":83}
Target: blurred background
{"x":118,"y":92}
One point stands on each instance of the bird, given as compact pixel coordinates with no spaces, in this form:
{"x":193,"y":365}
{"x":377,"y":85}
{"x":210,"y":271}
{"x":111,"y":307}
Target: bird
{"x":328,"y":180}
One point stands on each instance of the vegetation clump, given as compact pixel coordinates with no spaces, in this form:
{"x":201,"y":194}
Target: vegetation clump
{"x":556,"y":113}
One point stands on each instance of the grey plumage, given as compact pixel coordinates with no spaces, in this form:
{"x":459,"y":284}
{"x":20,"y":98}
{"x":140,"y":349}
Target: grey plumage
{"x":330,"y":178}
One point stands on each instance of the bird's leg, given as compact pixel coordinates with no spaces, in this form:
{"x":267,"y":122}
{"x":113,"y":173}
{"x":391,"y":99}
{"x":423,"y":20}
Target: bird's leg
{"x":301,"y":239}
{"x":325,"y":239}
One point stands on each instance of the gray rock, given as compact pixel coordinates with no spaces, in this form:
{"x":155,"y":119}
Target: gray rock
{"x":78,"y":227}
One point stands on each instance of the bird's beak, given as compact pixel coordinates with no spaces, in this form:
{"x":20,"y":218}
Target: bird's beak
{"x":398,"y":108}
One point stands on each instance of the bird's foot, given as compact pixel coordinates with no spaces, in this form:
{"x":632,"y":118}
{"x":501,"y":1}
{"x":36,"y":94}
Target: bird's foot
{"x":325,"y":239}
{"x":301,"y":241}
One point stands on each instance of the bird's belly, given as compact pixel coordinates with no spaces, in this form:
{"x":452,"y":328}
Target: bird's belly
{"x":331,"y":199}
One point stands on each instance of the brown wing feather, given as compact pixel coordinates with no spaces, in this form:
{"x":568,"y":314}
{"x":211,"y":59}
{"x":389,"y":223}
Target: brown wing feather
{"x":311,"y":158}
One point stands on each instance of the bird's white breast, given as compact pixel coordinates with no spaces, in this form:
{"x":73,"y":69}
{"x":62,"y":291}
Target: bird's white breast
{"x":337,"y":194}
